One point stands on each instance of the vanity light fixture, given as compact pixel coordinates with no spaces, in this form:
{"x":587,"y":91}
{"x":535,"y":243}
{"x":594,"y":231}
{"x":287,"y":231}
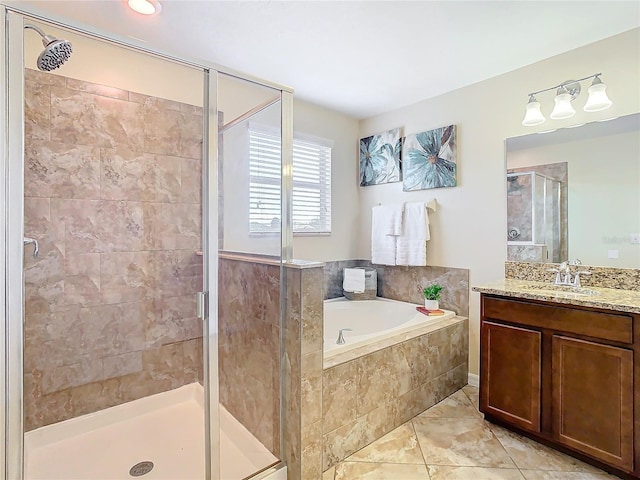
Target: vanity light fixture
{"x":566,"y":93}
{"x":144,"y":7}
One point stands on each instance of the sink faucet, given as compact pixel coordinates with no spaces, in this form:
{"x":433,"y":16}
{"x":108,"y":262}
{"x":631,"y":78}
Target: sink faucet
{"x":340,"y":340}
{"x":563,"y":274}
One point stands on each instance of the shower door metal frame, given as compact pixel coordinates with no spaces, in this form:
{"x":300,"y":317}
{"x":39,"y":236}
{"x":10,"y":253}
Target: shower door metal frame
{"x":12,"y":217}
{"x":12,"y":246}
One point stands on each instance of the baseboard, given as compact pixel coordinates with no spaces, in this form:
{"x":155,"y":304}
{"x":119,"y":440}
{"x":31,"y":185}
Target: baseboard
{"x":473,"y":380}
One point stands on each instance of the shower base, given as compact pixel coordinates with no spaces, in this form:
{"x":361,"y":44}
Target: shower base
{"x":166,"y":429}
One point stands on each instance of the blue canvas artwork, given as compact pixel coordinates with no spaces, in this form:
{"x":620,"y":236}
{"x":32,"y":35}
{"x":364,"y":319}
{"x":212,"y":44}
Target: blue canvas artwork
{"x":380,"y":160}
{"x":430,"y":159}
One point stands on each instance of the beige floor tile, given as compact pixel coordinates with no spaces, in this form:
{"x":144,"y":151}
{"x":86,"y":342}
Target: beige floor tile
{"x":439,"y":472}
{"x":380,"y":471}
{"x":531,"y":455}
{"x":542,"y":475}
{"x":329,"y":474}
{"x":474,"y":395}
{"x":460,"y":442}
{"x":397,"y":446}
{"x":457,"y":405}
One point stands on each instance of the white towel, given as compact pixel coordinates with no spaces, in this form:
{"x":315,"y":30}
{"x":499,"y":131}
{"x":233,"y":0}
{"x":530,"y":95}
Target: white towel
{"x":383,"y":244}
{"x":411,"y":247}
{"x":353,"y":280}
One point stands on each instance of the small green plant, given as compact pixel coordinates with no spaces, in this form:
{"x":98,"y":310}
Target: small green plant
{"x":432,"y":292}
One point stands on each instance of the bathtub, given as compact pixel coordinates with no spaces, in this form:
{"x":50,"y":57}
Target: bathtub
{"x":372,"y":321}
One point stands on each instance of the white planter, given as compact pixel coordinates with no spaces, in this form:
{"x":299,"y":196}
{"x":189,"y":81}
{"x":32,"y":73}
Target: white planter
{"x":431,"y":304}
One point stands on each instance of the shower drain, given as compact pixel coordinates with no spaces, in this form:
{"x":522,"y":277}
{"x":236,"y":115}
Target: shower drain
{"x":140,"y":469}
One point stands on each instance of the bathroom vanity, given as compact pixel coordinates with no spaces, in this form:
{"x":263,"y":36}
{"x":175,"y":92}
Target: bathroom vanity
{"x":560,"y":367}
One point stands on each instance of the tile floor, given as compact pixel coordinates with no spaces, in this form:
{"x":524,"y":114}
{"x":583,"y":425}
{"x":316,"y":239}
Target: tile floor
{"x":451,"y":441}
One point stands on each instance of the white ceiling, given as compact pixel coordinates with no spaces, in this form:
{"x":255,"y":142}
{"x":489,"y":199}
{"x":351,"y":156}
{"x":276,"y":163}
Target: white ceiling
{"x":362,"y":57}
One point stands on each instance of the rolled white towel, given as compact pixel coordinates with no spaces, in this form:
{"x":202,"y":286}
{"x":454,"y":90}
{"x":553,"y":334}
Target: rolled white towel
{"x":354,"y":280}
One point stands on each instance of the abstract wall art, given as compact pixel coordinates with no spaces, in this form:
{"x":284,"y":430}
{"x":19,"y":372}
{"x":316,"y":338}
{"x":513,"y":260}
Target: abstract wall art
{"x":380,"y":158}
{"x":430,"y":159}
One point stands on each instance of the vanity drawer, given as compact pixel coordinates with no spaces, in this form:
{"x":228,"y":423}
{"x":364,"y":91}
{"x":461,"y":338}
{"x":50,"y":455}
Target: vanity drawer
{"x":606,"y":326}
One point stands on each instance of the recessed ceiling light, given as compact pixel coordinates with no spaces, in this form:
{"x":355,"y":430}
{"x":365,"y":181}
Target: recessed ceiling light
{"x":145,"y":7}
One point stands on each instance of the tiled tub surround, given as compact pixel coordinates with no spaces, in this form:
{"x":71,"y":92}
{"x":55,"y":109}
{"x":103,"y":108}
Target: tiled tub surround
{"x":406,"y":283}
{"x":368,"y":396}
{"x":604,"y":277}
{"x":112,"y":194}
{"x":249,"y":344}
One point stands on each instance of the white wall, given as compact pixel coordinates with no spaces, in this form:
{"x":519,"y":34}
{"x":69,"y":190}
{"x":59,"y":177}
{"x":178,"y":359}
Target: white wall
{"x":603,"y":194}
{"x":468,"y":229}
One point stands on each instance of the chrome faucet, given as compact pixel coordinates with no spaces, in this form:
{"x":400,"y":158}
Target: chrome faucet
{"x":563,"y":274}
{"x":340,"y":340}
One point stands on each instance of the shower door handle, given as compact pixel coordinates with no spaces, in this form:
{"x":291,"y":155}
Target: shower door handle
{"x":36,"y":248}
{"x":201,"y":305}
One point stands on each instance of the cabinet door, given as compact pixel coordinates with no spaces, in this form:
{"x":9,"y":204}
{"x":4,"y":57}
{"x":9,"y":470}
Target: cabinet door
{"x":593,"y":399}
{"x":510,"y":375}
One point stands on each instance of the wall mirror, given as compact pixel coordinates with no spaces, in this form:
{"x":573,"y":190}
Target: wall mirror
{"x":575,"y":193}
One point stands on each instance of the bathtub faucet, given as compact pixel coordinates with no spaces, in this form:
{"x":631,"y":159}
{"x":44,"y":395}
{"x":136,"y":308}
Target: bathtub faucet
{"x":340,"y":340}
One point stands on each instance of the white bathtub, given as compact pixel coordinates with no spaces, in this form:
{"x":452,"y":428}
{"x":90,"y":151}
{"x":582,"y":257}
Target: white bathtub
{"x":371,"y":321}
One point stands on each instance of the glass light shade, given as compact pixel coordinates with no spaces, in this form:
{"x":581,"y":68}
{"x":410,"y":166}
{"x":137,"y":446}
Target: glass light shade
{"x":145,"y":7}
{"x":563,"y":108}
{"x":533,"y":115}
{"x":598,"y":99}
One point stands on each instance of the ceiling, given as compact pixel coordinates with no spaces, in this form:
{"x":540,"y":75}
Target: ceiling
{"x":361,"y":58}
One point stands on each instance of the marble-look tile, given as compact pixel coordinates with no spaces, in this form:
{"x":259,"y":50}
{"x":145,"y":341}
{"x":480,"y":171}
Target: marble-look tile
{"x":398,"y":446}
{"x":44,"y":276}
{"x":127,"y":276}
{"x":473,"y":394}
{"x":382,"y":377}
{"x":311,"y":389}
{"x":82,"y":279}
{"x":329,"y":474}
{"x":168,"y":179}
{"x":531,"y":455}
{"x":37,"y":107}
{"x":441,"y":472}
{"x":339,"y":395}
{"x":178,"y":226}
{"x":86,"y":119}
{"x":546,"y":475}
{"x":171,"y":132}
{"x":127,"y":175}
{"x":460,"y":442}
{"x":44,"y":78}
{"x":190,"y":180}
{"x":457,"y":405}
{"x":64,"y":376}
{"x":97,"y":89}
{"x":311,"y":442}
{"x":312,"y":310}
{"x":193,"y":361}
{"x":380,"y":471}
{"x":119,"y":365}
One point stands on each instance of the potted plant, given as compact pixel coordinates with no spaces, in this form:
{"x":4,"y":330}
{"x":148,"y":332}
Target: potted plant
{"x":431,"y":296}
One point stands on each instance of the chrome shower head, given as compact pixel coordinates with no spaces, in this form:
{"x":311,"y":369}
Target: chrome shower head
{"x":55,"y":52}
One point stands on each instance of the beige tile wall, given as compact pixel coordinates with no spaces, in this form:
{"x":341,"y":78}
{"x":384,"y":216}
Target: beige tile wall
{"x":112,"y":194}
{"x":367,"y":397}
{"x":249,"y":346}
{"x":303,"y":372}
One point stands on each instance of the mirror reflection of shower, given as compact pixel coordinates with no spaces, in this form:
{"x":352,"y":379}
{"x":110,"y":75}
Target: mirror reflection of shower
{"x":55,"y":52}
{"x":533,"y":217}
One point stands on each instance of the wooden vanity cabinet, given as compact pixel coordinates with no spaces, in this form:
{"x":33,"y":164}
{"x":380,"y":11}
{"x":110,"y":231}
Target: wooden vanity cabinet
{"x":563,"y":375}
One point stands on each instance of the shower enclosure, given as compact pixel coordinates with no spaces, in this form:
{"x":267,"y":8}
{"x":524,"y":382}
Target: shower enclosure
{"x":132,"y":344}
{"x":533,"y":217}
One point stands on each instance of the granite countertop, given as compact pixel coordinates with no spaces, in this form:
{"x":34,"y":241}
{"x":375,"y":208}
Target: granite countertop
{"x":608,"y":298}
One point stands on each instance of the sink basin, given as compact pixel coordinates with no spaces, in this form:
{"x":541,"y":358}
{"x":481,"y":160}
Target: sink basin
{"x":555,"y":289}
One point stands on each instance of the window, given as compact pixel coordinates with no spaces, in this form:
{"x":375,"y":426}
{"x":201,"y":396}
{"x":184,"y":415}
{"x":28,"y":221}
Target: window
{"x":311,"y":183}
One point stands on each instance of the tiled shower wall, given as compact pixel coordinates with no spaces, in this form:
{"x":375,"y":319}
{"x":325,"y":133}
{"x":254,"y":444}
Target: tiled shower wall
{"x":112,"y":194}
{"x":249,"y":344}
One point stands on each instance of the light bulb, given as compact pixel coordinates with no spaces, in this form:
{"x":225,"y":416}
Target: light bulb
{"x":145,"y":7}
{"x":563,"y":108}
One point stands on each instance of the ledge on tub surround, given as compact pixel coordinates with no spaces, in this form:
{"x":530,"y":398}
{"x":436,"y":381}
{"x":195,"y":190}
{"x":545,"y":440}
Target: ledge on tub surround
{"x":603,"y":277}
{"x":268,"y":260}
{"x":605,"y":298}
